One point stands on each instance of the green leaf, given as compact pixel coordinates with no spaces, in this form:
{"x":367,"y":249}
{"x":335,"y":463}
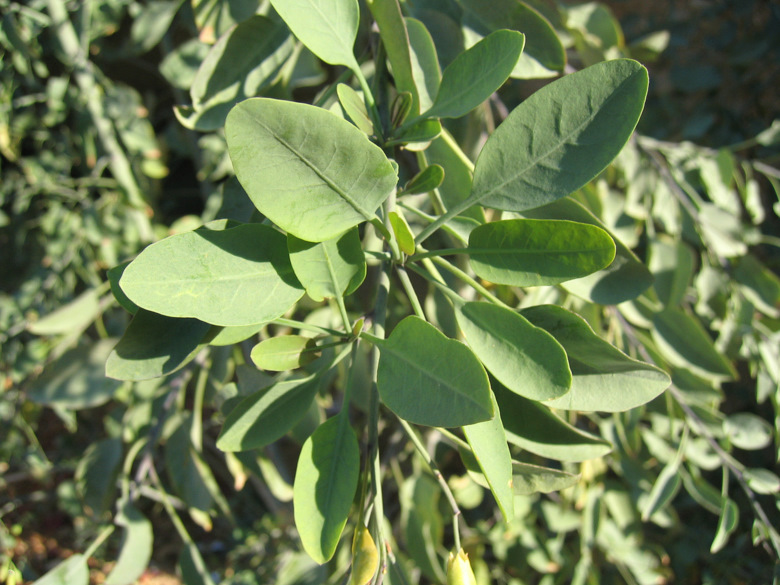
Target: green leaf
{"x":535,"y":252}
{"x":729,"y":518}
{"x":70,"y":318}
{"x":424,"y":61}
{"x":355,"y":108}
{"x":192,"y":567}
{"x":328,"y":28}
{"x":488,"y":444}
{"x":237,"y":276}
{"x":96,"y":475}
{"x":604,"y":378}
{"x":428,"y":179}
{"x":232,"y":335}
{"x":530,"y":479}
{"x":525,"y":359}
{"x":71,"y":571}
{"x":476,"y":74}
{"x":748,"y":431}
{"x":328,"y":269}
{"x":422,"y":524}
{"x":685,"y":343}
{"x":762,"y":481}
{"x":417,"y":135}
{"x":285,"y":352}
{"x":560,"y":137}
{"x":182,"y":465}
{"x":309,"y":171}
{"x":114,"y":275}
{"x":136,"y":546}
{"x":759,"y":285}
{"x":456,"y":186}
{"x":672,"y":265}
{"x":428,"y":379}
{"x":76,"y":379}
{"x":325,"y":483}
{"x":531,"y":426}
{"x":154,"y":345}
{"x":402,"y":232}
{"x":664,"y":490}
{"x":152,"y":23}
{"x":241,"y":64}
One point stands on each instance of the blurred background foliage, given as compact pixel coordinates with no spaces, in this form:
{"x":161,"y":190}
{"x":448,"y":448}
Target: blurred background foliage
{"x":108,"y":141}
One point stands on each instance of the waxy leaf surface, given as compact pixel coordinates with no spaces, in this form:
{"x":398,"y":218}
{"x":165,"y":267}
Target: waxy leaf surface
{"x":285,"y":352}
{"x":237,"y":276}
{"x":312,"y":173}
{"x":529,"y":252}
{"x":428,"y":379}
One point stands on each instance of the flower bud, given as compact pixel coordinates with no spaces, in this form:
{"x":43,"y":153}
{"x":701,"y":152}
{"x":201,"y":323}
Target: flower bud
{"x":459,"y":570}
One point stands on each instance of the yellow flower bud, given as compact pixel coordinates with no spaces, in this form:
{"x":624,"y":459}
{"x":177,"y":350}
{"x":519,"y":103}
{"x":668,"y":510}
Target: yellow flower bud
{"x":459,"y":570}
{"x":365,"y":557}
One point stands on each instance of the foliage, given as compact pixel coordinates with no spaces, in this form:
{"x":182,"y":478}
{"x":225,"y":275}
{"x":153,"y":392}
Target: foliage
{"x":567,"y":347}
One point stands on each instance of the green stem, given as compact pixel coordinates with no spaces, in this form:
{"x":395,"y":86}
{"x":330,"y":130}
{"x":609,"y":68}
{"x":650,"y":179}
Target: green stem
{"x":442,"y":219}
{"x":343,"y":312}
{"x":436,"y":253}
{"x":300,"y":325}
{"x":403,"y":276}
{"x":196,"y":430}
{"x":470,"y":281}
{"x":98,"y":542}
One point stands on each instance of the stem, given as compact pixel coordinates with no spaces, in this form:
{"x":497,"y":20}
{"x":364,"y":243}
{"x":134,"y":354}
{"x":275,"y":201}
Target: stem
{"x":300,"y":325}
{"x":403,"y":276}
{"x":196,"y":430}
{"x":98,"y":542}
{"x":470,"y":281}
{"x":343,"y":312}
{"x":442,"y":219}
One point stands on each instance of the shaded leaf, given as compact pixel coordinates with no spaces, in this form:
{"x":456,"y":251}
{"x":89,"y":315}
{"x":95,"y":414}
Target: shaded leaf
{"x":136,"y":550}
{"x":71,"y":571}
{"x":355,"y":108}
{"x":729,"y":517}
{"x":96,"y":475}
{"x":665,"y":488}
{"x":428,"y":179}
{"x":285,"y":352}
{"x":530,"y":479}
{"x":70,"y":318}
{"x":424,"y":61}
{"x":402,"y":232}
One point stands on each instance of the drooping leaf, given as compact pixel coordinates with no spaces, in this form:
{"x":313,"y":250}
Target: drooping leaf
{"x":476,"y":74}
{"x":535,"y":252}
{"x":488,"y":444}
{"x":524,"y":358}
{"x":328,"y":269}
{"x":327,"y":27}
{"x":238,"y":276}
{"x":266,"y":415}
{"x":155,"y":345}
{"x":428,"y":379}
{"x":531,"y":426}
{"x":355,"y":108}
{"x":604,"y":378}
{"x":325,"y":483}
{"x":136,"y":548}
{"x":560,"y":137}
{"x":310,"y":172}
{"x":285,"y":352}
{"x":529,"y":479}
{"x":96,"y":475}
{"x":76,"y":379}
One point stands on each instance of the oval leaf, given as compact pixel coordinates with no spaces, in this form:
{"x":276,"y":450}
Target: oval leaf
{"x":266,"y":415}
{"x":325,"y":483}
{"x":312,"y":173}
{"x":428,"y":379}
{"x":328,"y":269}
{"x":476,"y":74}
{"x":531,"y":426}
{"x":355,"y":108}
{"x":285,"y":352}
{"x":237,"y":276}
{"x":327,"y":27}
{"x":428,"y":179}
{"x":136,"y":546}
{"x":561,"y":137}
{"x":402,"y":232}
{"x":604,"y":378}
{"x":525,"y":359}
{"x":535,"y":252}
{"x":748,"y":431}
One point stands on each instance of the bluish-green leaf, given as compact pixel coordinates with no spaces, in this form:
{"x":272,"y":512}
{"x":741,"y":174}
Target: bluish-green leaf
{"x":531,"y":426}
{"x":327,"y":27}
{"x":524,"y":358}
{"x":530,"y":479}
{"x":604,"y":378}
{"x":328,"y":269}
{"x":425,"y":63}
{"x":476,"y":74}
{"x":154,"y":345}
{"x":535,"y":252}
{"x":237,"y":276}
{"x":285,"y":352}
{"x":312,"y":173}
{"x":488,"y":444}
{"x":561,"y":137}
{"x":136,"y":548}
{"x":266,"y":415}
{"x":325,"y":483}
{"x":355,"y":108}
{"x":428,"y":379}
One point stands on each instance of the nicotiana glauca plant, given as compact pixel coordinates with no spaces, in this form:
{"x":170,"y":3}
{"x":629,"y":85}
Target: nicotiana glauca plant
{"x":387,"y":306}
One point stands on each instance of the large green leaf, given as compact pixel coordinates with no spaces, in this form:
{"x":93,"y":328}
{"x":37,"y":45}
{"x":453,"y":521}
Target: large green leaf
{"x":327,"y":27}
{"x":311,"y":172}
{"x":325,"y":483}
{"x":529,"y":479}
{"x":561,"y":137}
{"x":136,"y":546}
{"x":76,"y":379}
{"x":524,"y":358}
{"x":155,"y":345}
{"x":237,"y":276}
{"x":604,"y":378}
{"x":531,"y":426}
{"x":328,"y":269}
{"x":476,"y":74}
{"x":490,"y":449}
{"x":535,"y":252}
{"x":241,"y":64}
{"x":266,"y":415}
{"x":428,"y":379}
